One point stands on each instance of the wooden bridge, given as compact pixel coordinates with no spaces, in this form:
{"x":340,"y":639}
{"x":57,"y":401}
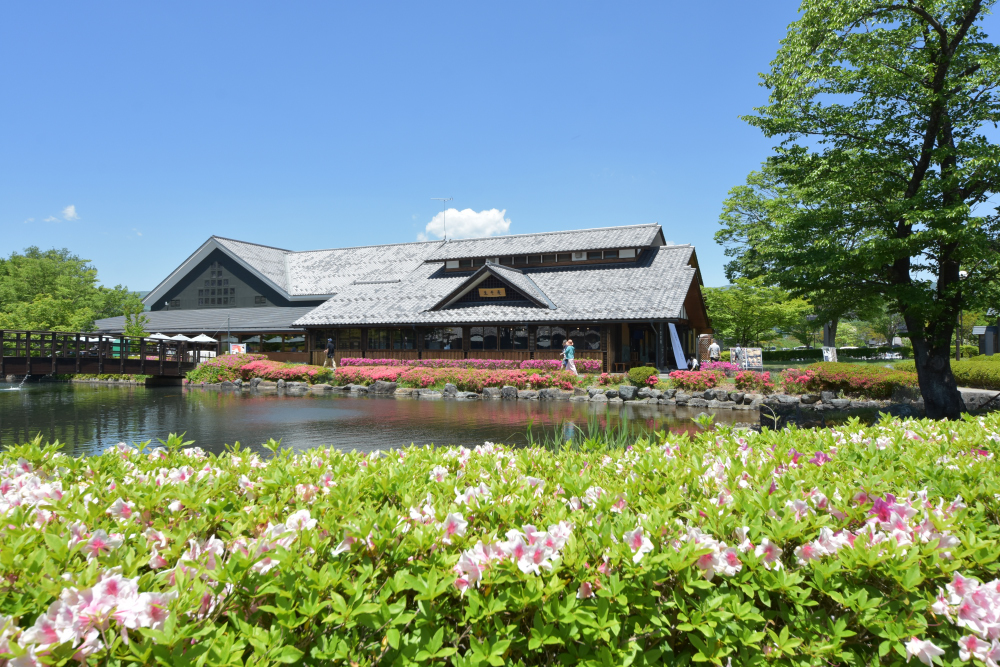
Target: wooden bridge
{"x":59,"y":352}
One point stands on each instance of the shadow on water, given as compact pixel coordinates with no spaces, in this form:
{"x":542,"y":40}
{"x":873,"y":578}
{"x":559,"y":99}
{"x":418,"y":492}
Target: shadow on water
{"x":90,"y":417}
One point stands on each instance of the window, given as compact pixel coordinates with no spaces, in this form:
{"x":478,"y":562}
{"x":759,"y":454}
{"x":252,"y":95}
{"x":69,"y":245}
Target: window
{"x":206,"y":283}
{"x":548,"y":259}
{"x":225,"y":301}
{"x":211,"y":273}
{"x":483,"y":338}
{"x":273,"y":344}
{"x":520,"y":259}
{"x":592,"y":338}
{"x":543,"y":338}
{"x":513,"y":338}
{"x":232,"y":291}
{"x":556,"y":338}
{"x":260,"y":300}
{"x":445,"y":338}
{"x":564,"y":257}
{"x":253,"y":343}
{"x":201,"y":302}
{"x":175,"y":303}
{"x":213,"y":283}
{"x":507,"y":261}
{"x":481,"y":261}
{"x":534,"y":259}
{"x":465,"y":263}
{"x":213,"y":302}
{"x":348,"y":339}
{"x":201,"y":292}
{"x":391,"y":339}
{"x":226,"y":281}
{"x":594,"y":254}
{"x":610,"y":254}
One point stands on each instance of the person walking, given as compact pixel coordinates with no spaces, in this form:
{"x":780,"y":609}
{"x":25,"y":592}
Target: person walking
{"x":330,"y":348}
{"x":570,"y":353}
{"x":562,"y":354}
{"x":714,"y":351}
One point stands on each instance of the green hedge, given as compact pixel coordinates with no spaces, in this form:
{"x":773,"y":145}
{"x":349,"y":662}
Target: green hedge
{"x":978,"y":373}
{"x":639,"y":376}
{"x":816,"y":354}
{"x":799,"y":547}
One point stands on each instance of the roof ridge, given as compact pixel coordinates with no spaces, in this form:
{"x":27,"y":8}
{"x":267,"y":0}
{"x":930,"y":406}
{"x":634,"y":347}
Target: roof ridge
{"x":563,"y":231}
{"x":359,"y":247}
{"x":259,"y":245}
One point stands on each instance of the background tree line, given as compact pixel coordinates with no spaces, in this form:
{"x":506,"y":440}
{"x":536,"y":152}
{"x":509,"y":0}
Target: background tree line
{"x":55,"y":290}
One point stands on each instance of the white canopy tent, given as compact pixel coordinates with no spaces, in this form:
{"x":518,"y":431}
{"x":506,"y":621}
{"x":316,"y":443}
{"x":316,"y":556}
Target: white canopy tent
{"x":159,"y":336}
{"x":202,"y":338}
{"x":180,"y":337}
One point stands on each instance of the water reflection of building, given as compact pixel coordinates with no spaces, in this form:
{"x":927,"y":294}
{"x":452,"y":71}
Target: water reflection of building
{"x":621,"y":293}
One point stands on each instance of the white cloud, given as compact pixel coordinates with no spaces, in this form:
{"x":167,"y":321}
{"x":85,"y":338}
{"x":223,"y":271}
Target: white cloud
{"x":69,"y":213}
{"x":466,"y":224}
{"x":51,"y":218}
{"x":137,"y":232}
{"x":29,"y":220}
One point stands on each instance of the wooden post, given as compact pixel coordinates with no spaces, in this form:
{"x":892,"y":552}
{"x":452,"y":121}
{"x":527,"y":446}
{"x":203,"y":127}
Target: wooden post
{"x":364,"y":343}
{"x":142,"y":356}
{"x":466,"y":343}
{"x":163,"y":353}
{"x":532,"y":339}
{"x":100,"y":354}
{"x":419,"y":342}
{"x":605,"y":357}
{"x":121,"y":354}
{"x":3,"y":355}
{"x":77,"y":353}
{"x":27,"y":344}
{"x":53,"y":352}
{"x":181,"y":351}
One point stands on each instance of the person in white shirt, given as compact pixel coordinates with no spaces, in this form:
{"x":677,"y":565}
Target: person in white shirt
{"x":714,"y":352}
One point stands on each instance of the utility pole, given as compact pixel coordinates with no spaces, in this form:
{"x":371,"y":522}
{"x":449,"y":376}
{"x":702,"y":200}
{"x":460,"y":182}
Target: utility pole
{"x":444,"y":213}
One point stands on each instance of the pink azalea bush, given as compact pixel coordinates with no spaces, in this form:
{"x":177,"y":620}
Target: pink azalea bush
{"x":724,"y":366}
{"x":466,"y":379}
{"x":696,"y":380}
{"x":223,"y":368}
{"x":854,"y":545}
{"x":582,"y":365}
{"x":798,"y":380}
{"x":752,"y":381}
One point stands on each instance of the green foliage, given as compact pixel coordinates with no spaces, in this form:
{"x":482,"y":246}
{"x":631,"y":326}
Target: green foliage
{"x":875,"y":191}
{"x":778,"y":356}
{"x":54,"y":290}
{"x":325,"y":557}
{"x":639,"y":375}
{"x":873,"y":382}
{"x":969,"y":351}
{"x":136,"y":324}
{"x":748,"y":311}
{"x":979,"y":373}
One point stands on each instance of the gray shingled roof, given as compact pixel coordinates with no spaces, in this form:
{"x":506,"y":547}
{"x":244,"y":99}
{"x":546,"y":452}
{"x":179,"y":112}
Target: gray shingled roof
{"x":514,"y":278}
{"x":266,"y":260}
{"x":632,"y":236}
{"x":213,"y":320}
{"x":654,"y":287}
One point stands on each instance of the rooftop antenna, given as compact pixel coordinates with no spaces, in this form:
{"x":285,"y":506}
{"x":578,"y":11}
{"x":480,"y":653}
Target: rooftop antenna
{"x":444,"y":213}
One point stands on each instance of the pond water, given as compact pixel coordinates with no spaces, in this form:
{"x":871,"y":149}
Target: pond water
{"x":89,"y":417}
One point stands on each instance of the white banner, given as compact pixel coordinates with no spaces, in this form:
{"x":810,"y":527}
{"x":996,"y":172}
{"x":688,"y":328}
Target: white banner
{"x":675,"y":342}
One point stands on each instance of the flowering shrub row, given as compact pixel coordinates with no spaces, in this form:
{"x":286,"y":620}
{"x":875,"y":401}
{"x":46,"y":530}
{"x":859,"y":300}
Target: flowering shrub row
{"x":860,"y":545}
{"x":867,"y":381}
{"x":696,"y":380}
{"x":752,"y":381}
{"x":223,"y":368}
{"x":614,"y":379}
{"x":275,"y":370}
{"x":724,"y":366}
{"x":582,"y":365}
{"x":466,"y":379}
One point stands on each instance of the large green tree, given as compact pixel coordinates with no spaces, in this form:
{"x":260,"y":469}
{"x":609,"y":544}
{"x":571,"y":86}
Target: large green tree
{"x":54,"y":290}
{"x":749,"y":312}
{"x":877,"y":187}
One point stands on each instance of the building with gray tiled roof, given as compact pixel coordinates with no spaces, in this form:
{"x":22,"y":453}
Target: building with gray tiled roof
{"x":623,"y":294}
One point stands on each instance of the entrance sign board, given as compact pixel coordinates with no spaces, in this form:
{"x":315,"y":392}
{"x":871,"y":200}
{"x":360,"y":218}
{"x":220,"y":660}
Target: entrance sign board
{"x":237,"y":348}
{"x":492,"y":292}
{"x":753,"y":358}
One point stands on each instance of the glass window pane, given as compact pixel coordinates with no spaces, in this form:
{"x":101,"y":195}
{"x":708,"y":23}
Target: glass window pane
{"x":506,"y":261}
{"x":506,"y":336}
{"x":543,"y":339}
{"x":534,"y":259}
{"x":557,"y":338}
{"x":476,"y":338}
{"x":520,"y":259}
{"x":592,"y":336}
{"x":548,"y":259}
{"x":272,"y":344}
{"x":464,"y":263}
{"x":481,"y":261}
{"x":610,"y":254}
{"x":295,"y":343}
{"x":520,"y":338}
{"x":564,"y":257}
{"x":489,"y":338}
{"x":594,"y":254}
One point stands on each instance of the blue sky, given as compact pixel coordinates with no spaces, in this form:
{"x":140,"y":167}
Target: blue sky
{"x":312,"y":125}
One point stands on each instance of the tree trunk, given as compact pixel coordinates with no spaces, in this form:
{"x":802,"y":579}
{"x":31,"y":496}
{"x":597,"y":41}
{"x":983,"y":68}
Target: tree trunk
{"x":942,"y":399}
{"x":830,"y":333}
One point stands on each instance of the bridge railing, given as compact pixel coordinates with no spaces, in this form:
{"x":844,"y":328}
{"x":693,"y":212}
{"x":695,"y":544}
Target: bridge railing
{"x":44,"y":352}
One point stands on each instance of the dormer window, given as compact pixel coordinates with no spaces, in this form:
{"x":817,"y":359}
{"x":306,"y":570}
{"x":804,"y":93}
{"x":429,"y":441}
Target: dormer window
{"x":554,"y":259}
{"x":610,"y":254}
{"x":465,"y":263}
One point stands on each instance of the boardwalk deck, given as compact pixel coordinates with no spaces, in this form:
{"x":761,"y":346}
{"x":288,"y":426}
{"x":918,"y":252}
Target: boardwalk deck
{"x":60,"y":352}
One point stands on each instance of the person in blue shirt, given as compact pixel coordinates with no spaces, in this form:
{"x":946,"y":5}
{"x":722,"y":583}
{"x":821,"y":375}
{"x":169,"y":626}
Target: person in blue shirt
{"x":570,"y":352}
